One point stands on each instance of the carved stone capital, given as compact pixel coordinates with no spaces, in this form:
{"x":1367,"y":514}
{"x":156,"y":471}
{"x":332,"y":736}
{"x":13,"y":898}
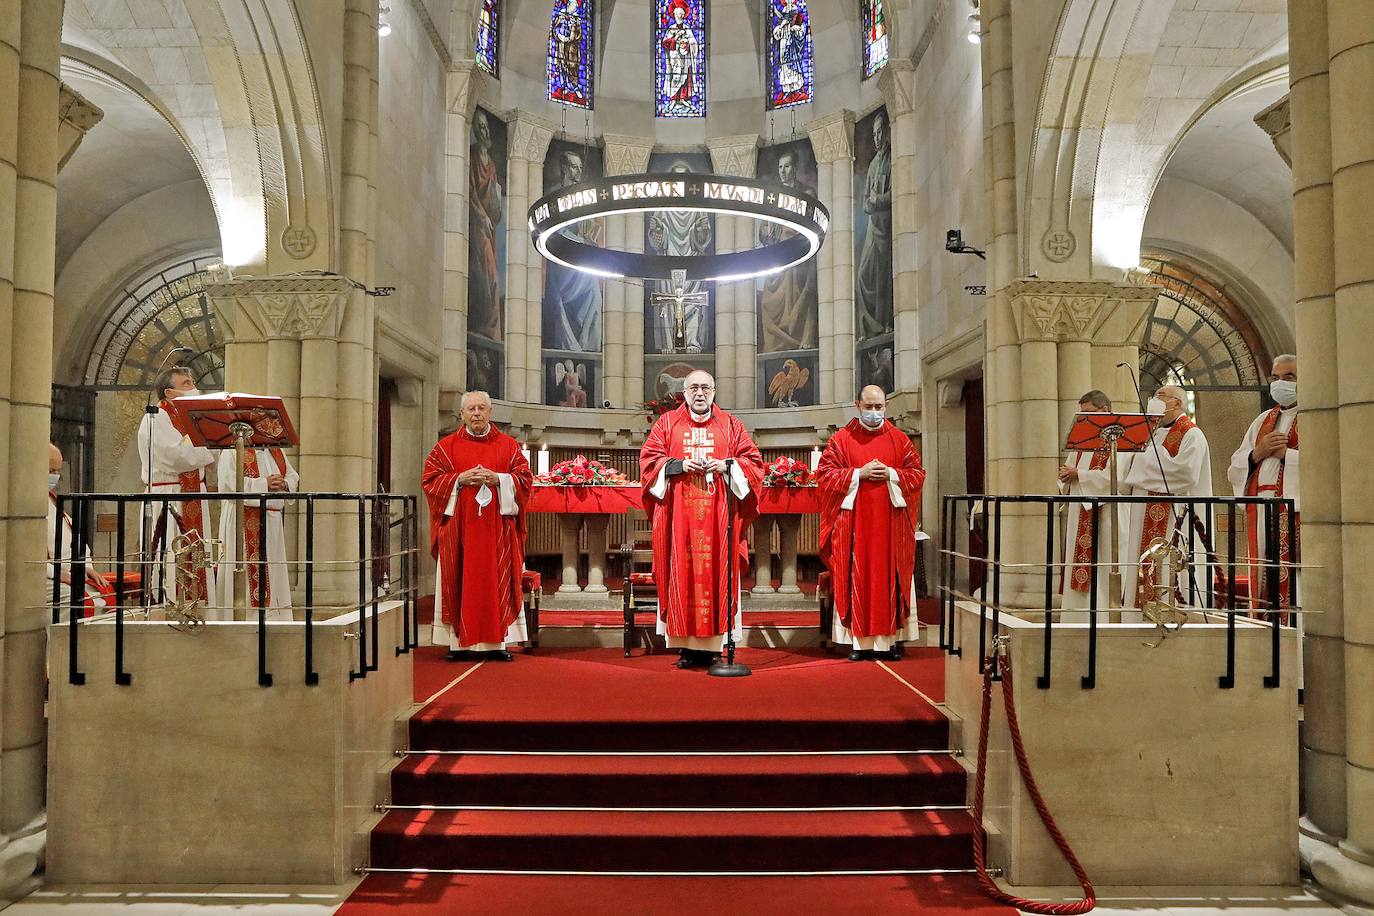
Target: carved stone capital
{"x":294,"y":308}
{"x":625,"y":155}
{"x":75,"y":116}
{"x":1275,"y":122}
{"x":736,"y":156}
{"x":460,"y":91}
{"x":832,"y":137}
{"x":1094,"y":310}
{"x":897,"y":82}
{"x":529,"y":137}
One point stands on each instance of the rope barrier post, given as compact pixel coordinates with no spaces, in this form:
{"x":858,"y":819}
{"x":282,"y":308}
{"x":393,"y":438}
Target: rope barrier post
{"x":1089,"y":680}
{"x":362,"y":592}
{"x":122,"y":677}
{"x":996,"y":581}
{"x":1043,"y":681}
{"x":376,"y":585}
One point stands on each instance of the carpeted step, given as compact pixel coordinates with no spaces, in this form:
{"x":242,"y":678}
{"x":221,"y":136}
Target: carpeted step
{"x":602,"y":841}
{"x":606,"y":781}
{"x":441,"y":728}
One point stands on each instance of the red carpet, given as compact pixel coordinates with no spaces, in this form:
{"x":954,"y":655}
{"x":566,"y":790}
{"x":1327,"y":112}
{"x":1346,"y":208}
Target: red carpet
{"x":543,"y":732}
{"x":553,"y":617}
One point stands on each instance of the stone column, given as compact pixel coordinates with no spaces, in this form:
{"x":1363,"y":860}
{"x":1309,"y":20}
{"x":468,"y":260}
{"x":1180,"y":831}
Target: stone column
{"x":789,"y":533}
{"x":832,"y":138}
{"x":735,"y":319}
{"x":897,"y":82}
{"x":568,"y":527}
{"x":28,"y":225}
{"x":453,"y":368}
{"x":1321,"y":587}
{"x":529,"y":141}
{"x":597,"y":526}
{"x":623,"y":321}
{"x":763,"y":555}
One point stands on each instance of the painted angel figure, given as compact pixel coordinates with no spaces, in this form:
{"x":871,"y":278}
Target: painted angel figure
{"x":568,"y":377}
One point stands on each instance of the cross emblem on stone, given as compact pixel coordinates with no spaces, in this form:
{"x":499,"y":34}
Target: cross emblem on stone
{"x":1058,"y":245}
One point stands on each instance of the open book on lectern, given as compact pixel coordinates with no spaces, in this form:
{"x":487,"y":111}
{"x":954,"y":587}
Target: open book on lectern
{"x":1086,"y":434}
{"x":209,"y":416}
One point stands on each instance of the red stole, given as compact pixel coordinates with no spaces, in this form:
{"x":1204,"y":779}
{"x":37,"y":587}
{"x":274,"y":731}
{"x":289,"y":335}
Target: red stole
{"x":190,"y":517}
{"x":252,"y":523}
{"x":480,"y":551}
{"x":102,"y":587}
{"x":872,"y":583}
{"x":1080,"y":575}
{"x":689,"y":523}
{"x":1157,"y":515}
{"x":1259,"y":580}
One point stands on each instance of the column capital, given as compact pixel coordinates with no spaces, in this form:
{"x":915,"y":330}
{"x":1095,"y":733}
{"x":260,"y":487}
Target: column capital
{"x":290,"y":308}
{"x":529,"y":136}
{"x":1275,"y":122}
{"x":832,"y":137}
{"x":897,"y":81}
{"x":737,"y":155}
{"x":626,"y":155}
{"x":1099,"y":311}
{"x":461,"y":88}
{"x":75,"y":116}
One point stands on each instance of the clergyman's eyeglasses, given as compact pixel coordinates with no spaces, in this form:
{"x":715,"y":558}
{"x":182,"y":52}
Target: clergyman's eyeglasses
{"x":700,"y":387}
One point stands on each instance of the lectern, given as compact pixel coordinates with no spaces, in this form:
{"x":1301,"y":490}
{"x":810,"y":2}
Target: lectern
{"x":240,"y":422}
{"x":1115,"y":432}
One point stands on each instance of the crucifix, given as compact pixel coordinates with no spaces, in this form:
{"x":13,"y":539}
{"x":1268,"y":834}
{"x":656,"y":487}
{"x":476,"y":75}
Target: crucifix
{"x":678,"y":301}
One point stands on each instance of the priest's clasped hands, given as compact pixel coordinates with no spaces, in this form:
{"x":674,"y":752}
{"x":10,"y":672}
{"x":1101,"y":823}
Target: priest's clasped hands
{"x":1271,"y":445}
{"x":874,"y":470}
{"x":477,"y":476}
{"x":709,"y":466}
{"x":276,"y":483}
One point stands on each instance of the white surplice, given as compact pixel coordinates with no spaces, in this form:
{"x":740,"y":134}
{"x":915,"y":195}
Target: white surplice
{"x":68,"y":548}
{"x":172,"y":455}
{"x":1268,"y":471}
{"x":278,"y":573}
{"x":1090,"y":483}
{"x":1154,"y":470}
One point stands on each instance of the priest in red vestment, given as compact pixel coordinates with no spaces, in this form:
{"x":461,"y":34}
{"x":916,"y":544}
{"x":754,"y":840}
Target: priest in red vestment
{"x":870,"y":482}
{"x":688,"y":491}
{"x":477,"y":481}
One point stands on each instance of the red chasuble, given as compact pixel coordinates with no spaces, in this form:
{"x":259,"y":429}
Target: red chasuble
{"x":689,"y":522}
{"x":480,"y":551}
{"x":871,"y":549}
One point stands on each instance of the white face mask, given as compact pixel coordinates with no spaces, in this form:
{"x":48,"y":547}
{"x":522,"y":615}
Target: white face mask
{"x":1156,"y":406}
{"x":1284,"y":392}
{"x":53,"y":480}
{"x":871,"y":418}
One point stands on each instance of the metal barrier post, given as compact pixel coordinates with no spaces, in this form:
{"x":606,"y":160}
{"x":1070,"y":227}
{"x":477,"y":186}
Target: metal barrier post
{"x":312,"y":677}
{"x":1043,"y":681}
{"x":122,"y":677}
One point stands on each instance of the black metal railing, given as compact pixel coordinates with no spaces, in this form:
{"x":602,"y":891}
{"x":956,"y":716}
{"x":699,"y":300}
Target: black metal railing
{"x":156,"y":510}
{"x":1211,"y":592}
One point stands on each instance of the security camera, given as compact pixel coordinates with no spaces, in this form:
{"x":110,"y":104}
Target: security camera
{"x":606,"y":404}
{"x":954,"y":240}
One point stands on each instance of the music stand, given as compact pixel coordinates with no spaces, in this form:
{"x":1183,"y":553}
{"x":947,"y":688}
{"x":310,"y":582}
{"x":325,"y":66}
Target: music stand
{"x":1116,"y":432}
{"x":237,"y":421}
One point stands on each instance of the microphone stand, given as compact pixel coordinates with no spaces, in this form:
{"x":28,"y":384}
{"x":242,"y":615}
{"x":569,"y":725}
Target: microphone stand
{"x":727,"y":666}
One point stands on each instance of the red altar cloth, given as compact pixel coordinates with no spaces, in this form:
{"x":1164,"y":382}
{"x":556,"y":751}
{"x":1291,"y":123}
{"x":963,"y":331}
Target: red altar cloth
{"x":617,"y":500}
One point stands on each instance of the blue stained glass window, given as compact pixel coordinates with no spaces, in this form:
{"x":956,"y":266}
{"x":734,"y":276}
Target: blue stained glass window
{"x":488,"y":35}
{"x":572,"y":42}
{"x":790,"y":70}
{"x":680,"y":58}
{"x":874,"y":37}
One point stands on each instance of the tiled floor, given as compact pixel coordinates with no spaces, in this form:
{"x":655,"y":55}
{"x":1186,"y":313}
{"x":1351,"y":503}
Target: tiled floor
{"x":202,"y":900}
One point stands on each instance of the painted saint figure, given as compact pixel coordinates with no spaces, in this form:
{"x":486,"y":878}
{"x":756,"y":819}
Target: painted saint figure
{"x":873,"y":280}
{"x":486,"y":203}
{"x":788,"y":299}
{"x":572,"y":299}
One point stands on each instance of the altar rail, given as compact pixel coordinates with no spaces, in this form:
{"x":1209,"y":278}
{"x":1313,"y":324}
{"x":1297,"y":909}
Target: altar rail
{"x":984,"y":575}
{"x":378,"y":567}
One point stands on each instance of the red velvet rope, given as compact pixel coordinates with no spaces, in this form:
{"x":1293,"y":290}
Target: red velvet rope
{"x":989,"y":886}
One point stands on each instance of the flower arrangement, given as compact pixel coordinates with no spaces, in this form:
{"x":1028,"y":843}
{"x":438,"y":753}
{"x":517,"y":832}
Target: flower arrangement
{"x":787,"y":472}
{"x":659,"y":406}
{"x":580,"y":472}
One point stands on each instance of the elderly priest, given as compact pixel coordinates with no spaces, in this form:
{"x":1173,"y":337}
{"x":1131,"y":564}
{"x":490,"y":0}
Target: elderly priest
{"x":870,"y":480}
{"x":687,"y":490}
{"x":477,"y":481}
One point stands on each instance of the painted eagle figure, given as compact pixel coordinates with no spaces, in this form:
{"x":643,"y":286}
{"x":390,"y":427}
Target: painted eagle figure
{"x":782,"y":390}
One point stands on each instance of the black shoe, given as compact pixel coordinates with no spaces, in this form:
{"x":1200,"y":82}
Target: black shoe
{"x":500,"y":655}
{"x":457,"y":655}
{"x":684,"y":663}
{"x":858,"y":655}
{"x":891,"y":655}
{"x":898,"y":651}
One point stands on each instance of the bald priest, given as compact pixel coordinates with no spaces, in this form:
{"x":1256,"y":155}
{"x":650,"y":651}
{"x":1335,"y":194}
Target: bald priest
{"x":477,"y":481}
{"x":870,"y":484}
{"x":690,"y":494}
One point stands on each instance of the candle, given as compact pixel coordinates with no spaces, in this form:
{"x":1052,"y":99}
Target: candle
{"x":544,"y":459}
{"x":815,"y":458}
{"x":526,"y":452}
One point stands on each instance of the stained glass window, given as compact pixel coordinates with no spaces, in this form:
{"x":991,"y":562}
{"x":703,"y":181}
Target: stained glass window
{"x":874,"y":37}
{"x":790,"y":73}
{"x":680,"y":58}
{"x":488,"y":35}
{"x":572,"y":42}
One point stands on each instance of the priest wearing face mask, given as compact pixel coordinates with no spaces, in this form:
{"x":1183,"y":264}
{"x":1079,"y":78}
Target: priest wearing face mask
{"x":1266,"y":465}
{"x":690,"y":494}
{"x":476,"y":481}
{"x":171,"y":464}
{"x":870,"y":483}
{"x":1177,"y":463}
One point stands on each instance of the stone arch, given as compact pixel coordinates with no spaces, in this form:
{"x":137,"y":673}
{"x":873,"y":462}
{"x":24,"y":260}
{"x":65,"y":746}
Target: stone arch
{"x":1125,"y":79}
{"x":236,"y":79}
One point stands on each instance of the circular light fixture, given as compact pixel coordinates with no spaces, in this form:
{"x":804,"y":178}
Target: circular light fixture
{"x":803,"y":214}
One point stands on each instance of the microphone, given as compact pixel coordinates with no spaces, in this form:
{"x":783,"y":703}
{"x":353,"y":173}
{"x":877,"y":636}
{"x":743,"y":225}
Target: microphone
{"x":1140,"y":399}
